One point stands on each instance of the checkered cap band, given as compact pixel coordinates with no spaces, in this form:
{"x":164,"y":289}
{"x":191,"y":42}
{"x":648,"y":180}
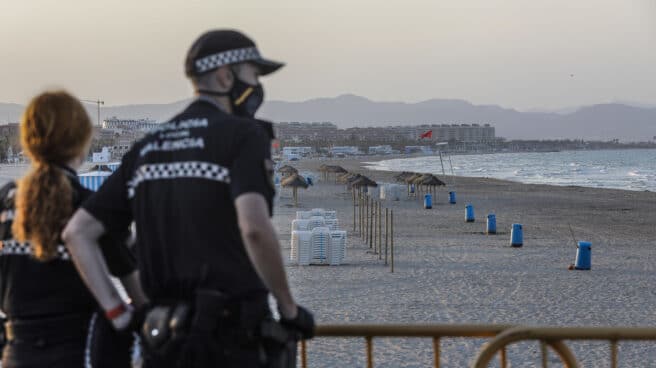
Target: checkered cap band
{"x":176,"y":170}
{"x":225,"y":58}
{"x":13,"y":247}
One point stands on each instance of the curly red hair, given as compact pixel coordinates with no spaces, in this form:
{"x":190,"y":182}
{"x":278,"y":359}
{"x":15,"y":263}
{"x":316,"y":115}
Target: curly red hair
{"x":55,"y":129}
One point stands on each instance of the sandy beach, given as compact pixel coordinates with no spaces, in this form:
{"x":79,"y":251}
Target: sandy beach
{"x":448,"y":271}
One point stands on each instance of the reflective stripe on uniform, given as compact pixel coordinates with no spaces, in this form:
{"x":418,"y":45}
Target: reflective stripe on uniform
{"x":13,"y":247}
{"x":177,"y":170}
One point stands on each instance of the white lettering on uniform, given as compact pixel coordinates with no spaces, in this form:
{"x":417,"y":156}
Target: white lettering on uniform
{"x":181,"y":125}
{"x":173,"y":145}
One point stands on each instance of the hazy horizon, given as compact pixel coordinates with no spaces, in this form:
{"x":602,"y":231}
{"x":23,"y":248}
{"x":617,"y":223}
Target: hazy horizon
{"x":552,"y":55}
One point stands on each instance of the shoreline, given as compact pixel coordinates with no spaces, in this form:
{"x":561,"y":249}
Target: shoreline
{"x":373,"y":165}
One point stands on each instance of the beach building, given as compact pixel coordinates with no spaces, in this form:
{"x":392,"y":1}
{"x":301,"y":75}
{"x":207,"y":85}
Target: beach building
{"x":345,"y":151}
{"x":296,"y":152}
{"x":104,"y":155}
{"x":117,"y":124}
{"x":381,"y":150}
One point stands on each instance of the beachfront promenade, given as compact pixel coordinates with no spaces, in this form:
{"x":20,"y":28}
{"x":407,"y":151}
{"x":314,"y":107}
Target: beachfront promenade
{"x":448,"y":272}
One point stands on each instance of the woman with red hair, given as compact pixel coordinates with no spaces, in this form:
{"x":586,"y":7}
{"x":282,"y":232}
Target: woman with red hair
{"x":50,"y":312}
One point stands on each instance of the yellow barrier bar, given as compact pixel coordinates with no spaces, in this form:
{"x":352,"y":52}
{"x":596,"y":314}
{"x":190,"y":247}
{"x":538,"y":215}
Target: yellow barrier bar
{"x":303,"y":354}
{"x":436,"y":352}
{"x":503,"y":358}
{"x":613,"y":354}
{"x":553,"y":337}
{"x":370,"y":352}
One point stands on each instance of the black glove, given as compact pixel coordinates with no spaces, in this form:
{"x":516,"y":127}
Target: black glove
{"x":138,"y":317}
{"x":303,"y":323}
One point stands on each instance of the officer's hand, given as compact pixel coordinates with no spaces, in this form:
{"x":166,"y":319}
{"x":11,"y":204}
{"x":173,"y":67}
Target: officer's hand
{"x":131,"y":320}
{"x":303,"y":323}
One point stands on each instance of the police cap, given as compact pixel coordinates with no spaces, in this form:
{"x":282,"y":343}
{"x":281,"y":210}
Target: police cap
{"x":216,"y":48}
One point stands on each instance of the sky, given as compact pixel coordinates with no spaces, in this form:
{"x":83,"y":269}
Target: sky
{"x":522,"y":54}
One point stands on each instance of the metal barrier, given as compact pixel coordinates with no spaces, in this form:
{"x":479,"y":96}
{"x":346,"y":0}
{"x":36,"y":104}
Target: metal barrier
{"x":428,"y":331}
{"x":502,"y":336}
{"x":554,"y":337}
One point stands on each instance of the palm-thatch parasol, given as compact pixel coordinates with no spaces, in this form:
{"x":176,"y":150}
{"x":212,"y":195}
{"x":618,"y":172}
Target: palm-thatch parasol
{"x":428,"y":180}
{"x":334,"y":169}
{"x":287,"y":170}
{"x":402,"y":176}
{"x":347,"y":177}
{"x":409,"y":180}
{"x":295,"y":181}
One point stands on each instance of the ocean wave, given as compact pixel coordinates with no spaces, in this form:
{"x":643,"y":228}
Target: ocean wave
{"x":605,"y":169}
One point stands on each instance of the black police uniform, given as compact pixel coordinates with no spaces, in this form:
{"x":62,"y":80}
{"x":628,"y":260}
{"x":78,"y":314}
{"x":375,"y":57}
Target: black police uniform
{"x":179,"y":184}
{"x":51,"y":317}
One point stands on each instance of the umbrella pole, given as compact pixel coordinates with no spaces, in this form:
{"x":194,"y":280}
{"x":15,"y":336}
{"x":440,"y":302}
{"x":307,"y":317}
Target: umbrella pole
{"x":295,"y":196}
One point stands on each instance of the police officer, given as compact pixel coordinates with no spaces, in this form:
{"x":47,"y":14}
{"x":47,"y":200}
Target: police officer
{"x":200,"y":191}
{"x":51,"y":314}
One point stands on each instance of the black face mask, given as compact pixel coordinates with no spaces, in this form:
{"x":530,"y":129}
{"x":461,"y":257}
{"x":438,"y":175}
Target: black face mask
{"x":244,"y":98}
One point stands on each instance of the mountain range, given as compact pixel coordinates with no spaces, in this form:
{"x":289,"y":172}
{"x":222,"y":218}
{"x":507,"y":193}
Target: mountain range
{"x":596,"y":122}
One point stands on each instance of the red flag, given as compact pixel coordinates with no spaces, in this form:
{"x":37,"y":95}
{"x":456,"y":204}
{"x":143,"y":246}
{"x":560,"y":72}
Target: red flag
{"x":428,"y":134}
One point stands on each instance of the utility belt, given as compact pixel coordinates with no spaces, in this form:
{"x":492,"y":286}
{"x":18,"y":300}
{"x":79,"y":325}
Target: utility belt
{"x":47,"y":331}
{"x":243,"y":322}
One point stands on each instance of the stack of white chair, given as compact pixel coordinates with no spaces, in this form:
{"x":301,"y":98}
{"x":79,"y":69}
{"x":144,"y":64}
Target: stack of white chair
{"x":300,"y":225}
{"x":332,"y":224}
{"x":317,"y":239}
{"x":303,"y":215}
{"x":337,"y":250}
{"x":320,"y":245}
{"x":330,"y":215}
{"x":316,"y":221}
{"x":318,"y":212}
{"x":301,"y":252}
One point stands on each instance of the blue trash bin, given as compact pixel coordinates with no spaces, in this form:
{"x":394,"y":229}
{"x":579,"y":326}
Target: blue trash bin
{"x":583,"y":256}
{"x":469,"y":213}
{"x":412,"y":188}
{"x":491,"y":224}
{"x":516,"y":236}
{"x":428,"y":201}
{"x":452,"y":197}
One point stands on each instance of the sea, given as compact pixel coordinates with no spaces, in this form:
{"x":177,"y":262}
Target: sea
{"x":632,"y":169}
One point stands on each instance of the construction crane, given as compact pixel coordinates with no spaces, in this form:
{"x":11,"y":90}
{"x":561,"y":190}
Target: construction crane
{"x":98,"y":102}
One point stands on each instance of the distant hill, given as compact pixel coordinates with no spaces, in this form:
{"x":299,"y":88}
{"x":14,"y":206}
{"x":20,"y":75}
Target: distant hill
{"x":596,"y":122}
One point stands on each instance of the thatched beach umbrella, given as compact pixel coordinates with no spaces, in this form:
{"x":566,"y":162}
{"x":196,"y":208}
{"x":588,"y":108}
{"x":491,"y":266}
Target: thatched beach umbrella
{"x":409,"y":180}
{"x":363,"y":181}
{"x":323,"y":170}
{"x":334,"y":169}
{"x":346,"y":178}
{"x":404,"y":175}
{"x":430,"y":181}
{"x":295,"y":181}
{"x":287,"y":171}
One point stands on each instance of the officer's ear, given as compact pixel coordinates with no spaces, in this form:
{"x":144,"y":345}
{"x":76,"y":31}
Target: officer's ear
{"x":224,"y":77}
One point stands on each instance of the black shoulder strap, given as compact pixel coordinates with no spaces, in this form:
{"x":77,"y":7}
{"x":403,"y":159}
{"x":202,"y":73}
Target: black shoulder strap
{"x":268,"y":127}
